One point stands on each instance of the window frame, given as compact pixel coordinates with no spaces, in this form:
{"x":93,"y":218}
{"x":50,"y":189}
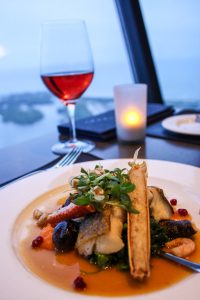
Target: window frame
{"x":138,"y":48}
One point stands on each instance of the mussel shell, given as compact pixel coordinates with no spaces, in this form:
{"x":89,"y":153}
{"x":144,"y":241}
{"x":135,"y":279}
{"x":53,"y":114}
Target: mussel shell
{"x":65,"y":235}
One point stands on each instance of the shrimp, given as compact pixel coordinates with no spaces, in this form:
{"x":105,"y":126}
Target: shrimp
{"x":181,"y":247}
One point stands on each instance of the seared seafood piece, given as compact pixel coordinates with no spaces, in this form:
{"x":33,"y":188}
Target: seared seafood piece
{"x":139,"y":224}
{"x":101,"y":232}
{"x":93,"y":226}
{"x":180,"y":228}
{"x":111,"y":242}
{"x":160,"y":208}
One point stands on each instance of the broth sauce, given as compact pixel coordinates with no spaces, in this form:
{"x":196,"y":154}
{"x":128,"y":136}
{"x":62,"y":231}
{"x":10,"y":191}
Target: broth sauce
{"x":61,"y":269}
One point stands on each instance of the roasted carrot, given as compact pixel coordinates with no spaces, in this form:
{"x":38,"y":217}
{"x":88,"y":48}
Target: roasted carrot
{"x":47,"y":233}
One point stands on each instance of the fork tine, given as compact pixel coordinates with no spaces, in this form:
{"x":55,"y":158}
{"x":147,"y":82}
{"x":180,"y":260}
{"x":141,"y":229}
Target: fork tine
{"x":70,"y":157}
{"x":78,"y":152}
{"x":65,"y":159}
{"x":59,"y":163}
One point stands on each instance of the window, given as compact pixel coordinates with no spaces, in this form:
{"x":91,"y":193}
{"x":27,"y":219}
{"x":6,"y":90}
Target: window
{"x":173,"y":29}
{"x":26,"y":107}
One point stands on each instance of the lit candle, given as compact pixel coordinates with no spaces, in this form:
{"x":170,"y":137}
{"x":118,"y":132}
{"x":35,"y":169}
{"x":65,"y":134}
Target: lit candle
{"x":131,"y":118}
{"x":130,"y":111}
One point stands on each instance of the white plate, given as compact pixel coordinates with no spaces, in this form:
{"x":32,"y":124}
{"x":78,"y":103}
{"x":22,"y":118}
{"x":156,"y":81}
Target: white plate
{"x":178,"y":180}
{"x":184,"y":124}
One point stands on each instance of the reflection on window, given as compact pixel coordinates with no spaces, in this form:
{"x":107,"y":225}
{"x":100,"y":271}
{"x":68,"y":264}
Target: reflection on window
{"x":173,"y":29}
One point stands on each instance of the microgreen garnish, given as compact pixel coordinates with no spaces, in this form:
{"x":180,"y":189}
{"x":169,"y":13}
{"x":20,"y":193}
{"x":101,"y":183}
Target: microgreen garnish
{"x":101,"y":187}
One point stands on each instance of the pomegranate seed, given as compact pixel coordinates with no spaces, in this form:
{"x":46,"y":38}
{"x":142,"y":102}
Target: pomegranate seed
{"x":37,"y":241}
{"x":79,"y":283}
{"x":173,"y":202}
{"x":182,"y":212}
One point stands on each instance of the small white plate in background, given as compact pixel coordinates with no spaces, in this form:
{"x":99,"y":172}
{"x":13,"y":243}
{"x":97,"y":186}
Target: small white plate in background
{"x":184,"y":124}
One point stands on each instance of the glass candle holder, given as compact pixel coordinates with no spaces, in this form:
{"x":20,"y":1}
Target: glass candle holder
{"x":130,"y":112}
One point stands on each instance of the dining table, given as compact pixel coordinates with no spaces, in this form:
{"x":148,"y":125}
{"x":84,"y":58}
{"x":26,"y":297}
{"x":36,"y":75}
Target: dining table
{"x":173,"y":166}
{"x":36,"y":154}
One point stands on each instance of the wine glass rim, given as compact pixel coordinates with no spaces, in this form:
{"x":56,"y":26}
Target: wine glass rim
{"x":62,"y":21}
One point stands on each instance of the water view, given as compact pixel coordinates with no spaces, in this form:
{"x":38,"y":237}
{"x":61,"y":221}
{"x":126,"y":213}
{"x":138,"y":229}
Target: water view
{"x":30,"y":115}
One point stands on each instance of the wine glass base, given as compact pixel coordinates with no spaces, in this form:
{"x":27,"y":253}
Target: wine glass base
{"x":64,"y":148}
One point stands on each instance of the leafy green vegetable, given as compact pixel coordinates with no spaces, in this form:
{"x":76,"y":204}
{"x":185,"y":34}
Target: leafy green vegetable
{"x":158,"y":237}
{"x":103,"y":261}
{"x":83,"y":199}
{"x":101,"y":187}
{"x":84,"y":171}
{"x":127,"y":187}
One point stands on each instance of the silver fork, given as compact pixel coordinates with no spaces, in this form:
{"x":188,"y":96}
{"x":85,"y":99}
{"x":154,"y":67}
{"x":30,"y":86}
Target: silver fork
{"x":67,"y":160}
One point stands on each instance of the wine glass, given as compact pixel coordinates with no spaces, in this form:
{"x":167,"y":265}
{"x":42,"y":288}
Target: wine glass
{"x":67,"y":70}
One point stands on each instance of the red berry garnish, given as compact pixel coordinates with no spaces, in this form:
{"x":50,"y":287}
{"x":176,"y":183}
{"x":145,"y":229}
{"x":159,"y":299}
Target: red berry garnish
{"x":182,"y":212}
{"x":37,"y":242}
{"x":79,"y":283}
{"x":173,"y":202}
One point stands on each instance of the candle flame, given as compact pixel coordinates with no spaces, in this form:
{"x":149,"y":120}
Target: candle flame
{"x":132,"y":118}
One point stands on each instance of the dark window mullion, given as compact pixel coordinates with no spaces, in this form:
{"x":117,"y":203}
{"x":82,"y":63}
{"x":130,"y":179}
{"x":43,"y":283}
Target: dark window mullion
{"x":138,"y":47}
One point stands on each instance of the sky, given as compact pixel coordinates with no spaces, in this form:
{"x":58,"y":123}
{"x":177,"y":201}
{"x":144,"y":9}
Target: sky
{"x":175,"y":27}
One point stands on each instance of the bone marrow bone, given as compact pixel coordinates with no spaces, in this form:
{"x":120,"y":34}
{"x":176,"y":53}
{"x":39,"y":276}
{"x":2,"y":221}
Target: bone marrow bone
{"x":139,"y":225}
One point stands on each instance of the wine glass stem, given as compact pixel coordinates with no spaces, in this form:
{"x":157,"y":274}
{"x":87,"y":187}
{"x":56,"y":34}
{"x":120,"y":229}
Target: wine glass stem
{"x":72,"y":128}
